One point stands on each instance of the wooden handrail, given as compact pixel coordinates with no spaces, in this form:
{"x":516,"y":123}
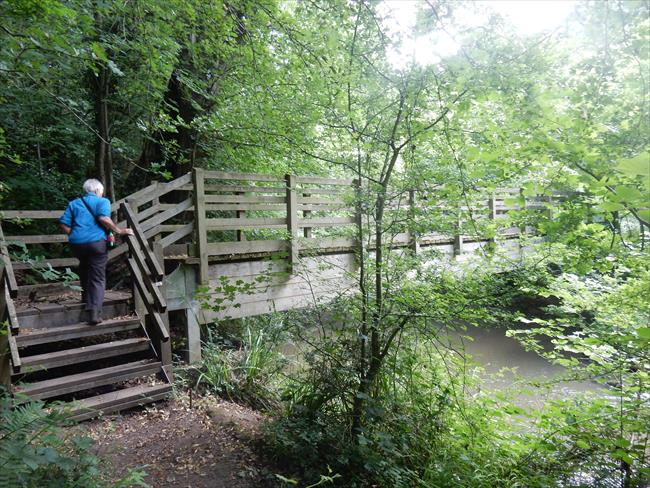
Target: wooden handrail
{"x":154,"y":265}
{"x":146,"y":272}
{"x":139,"y":281}
{"x":8,"y":272}
{"x":8,"y":316}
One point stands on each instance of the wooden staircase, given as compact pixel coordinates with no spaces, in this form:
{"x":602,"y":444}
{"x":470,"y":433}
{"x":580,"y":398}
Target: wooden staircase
{"x":103,"y":368}
{"x":50,"y":353}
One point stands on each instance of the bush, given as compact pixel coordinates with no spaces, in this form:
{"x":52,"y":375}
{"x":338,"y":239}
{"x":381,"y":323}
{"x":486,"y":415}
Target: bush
{"x":245,"y":374}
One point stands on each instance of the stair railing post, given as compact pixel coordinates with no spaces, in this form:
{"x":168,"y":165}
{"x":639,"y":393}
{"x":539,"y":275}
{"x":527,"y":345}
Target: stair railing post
{"x":292,"y":218}
{"x":413,"y":243}
{"x":198,"y":177}
{"x":164,"y":348}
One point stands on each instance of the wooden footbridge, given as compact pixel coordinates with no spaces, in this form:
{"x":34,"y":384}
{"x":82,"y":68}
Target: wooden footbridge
{"x":207,"y":246}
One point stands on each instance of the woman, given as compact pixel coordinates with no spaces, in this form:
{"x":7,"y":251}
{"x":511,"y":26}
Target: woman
{"x":86,"y":221}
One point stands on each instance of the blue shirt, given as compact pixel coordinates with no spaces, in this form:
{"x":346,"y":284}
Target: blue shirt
{"x":84,"y":226}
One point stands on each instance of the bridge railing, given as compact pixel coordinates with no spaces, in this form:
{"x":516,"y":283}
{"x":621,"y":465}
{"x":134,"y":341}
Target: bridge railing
{"x":215,"y":215}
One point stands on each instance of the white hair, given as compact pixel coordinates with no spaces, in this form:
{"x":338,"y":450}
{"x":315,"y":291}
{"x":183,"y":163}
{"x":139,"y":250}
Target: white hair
{"x":93,"y":186}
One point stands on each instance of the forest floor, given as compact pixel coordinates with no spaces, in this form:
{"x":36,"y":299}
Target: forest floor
{"x":211,"y":443}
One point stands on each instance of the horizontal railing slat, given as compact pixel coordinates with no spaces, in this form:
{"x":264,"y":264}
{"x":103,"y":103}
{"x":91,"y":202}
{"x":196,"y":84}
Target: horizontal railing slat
{"x":221,"y":175}
{"x":38,"y":239}
{"x":30,"y":214}
{"x":243,"y":199}
{"x":246,"y":247}
{"x":243,"y":223}
{"x":167,"y":214}
{"x":326,"y":221}
{"x":175,"y":236}
{"x":316,"y":180}
{"x":259,"y":207}
{"x":316,"y":200}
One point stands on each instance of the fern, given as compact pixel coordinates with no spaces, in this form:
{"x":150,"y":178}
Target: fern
{"x":35,"y":452}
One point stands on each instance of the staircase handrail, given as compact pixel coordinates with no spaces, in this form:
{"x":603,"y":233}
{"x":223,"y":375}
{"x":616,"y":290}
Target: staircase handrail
{"x":146,"y":271}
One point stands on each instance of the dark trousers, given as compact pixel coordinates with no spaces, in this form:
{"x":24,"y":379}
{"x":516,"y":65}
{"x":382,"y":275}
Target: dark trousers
{"x":92,"y":272}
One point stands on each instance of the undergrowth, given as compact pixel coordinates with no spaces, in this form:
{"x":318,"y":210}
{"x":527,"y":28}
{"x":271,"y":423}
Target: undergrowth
{"x":35,"y":452}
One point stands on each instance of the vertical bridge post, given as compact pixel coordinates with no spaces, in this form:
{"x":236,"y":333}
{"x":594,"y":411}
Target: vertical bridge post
{"x":458,"y":234}
{"x":198,"y":178}
{"x":492,"y":208}
{"x":413,"y":243}
{"x":292,"y":218}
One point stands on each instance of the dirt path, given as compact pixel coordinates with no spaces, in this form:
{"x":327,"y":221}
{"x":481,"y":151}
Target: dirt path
{"x":211,"y":445}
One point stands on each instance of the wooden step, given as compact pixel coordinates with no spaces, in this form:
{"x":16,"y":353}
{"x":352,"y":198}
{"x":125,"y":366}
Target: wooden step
{"x":119,"y":400}
{"x":36,"y":315}
{"x":83,"y":354}
{"x":90,"y":379}
{"x":75,"y":331}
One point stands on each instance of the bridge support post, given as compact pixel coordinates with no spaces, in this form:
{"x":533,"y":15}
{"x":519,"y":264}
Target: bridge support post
{"x":305,"y":215}
{"x":193,"y":331}
{"x":414,"y":245}
{"x":458,"y":238}
{"x":292,"y":218}
{"x":201,"y":240}
{"x":492,"y":209}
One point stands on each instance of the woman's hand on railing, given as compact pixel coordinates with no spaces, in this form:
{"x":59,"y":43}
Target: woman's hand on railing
{"x":125,"y":231}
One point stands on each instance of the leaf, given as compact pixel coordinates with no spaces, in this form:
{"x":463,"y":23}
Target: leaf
{"x":639,"y":165}
{"x":628,"y":194}
{"x":99,"y":52}
{"x":644,"y":333}
{"x":582,"y":444}
{"x":611,"y":206}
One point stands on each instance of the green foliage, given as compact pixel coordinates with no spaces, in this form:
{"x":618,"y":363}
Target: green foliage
{"x":244,"y":369}
{"x":36,"y":452}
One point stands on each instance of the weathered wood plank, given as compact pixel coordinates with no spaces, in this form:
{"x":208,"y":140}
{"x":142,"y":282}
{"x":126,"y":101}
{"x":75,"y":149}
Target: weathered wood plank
{"x":182,"y":231}
{"x":250,"y":269}
{"x":243,"y":199}
{"x":244,"y":188}
{"x":8,"y":273}
{"x":139,"y":239}
{"x":315,"y":180}
{"x":89,"y":379}
{"x":245,"y":247}
{"x":30,"y":214}
{"x":325,"y":221}
{"x":324,"y":201}
{"x":200,"y":229}
{"x":119,"y":400}
{"x":328,"y":244}
{"x":83,"y":354}
{"x":292,"y":218}
{"x":38,"y":239}
{"x":142,"y":215}
{"x":167,"y":214}
{"x":154,"y":291}
{"x":222,"y":175}
{"x":134,"y":196}
{"x":225,"y":207}
{"x":234,"y":223}
{"x":75,"y":331}
{"x":13,"y":350}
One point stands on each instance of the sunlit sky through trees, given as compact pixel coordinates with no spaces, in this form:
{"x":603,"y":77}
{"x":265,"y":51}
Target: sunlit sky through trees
{"x":526,"y":17}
